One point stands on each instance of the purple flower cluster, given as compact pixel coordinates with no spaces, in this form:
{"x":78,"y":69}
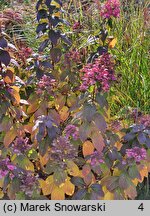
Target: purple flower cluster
{"x":62,"y":149}
{"x":96,"y":158}
{"x":46,"y":85}
{"x":111,"y":8}
{"x":6,"y":167}
{"x":136,"y":153}
{"x":29,"y":183}
{"x":100,"y":72}
{"x":20,"y":145}
{"x":72,"y":131}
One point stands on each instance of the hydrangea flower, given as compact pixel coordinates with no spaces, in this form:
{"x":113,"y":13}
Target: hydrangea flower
{"x":29,"y":183}
{"x":100,"y":72}
{"x":46,"y":85}
{"x":111,"y":8}
{"x":62,"y":149}
{"x":96,"y":158}
{"x":6,"y":167}
{"x":20,"y":145}
{"x":72,"y":130}
{"x":136,"y":153}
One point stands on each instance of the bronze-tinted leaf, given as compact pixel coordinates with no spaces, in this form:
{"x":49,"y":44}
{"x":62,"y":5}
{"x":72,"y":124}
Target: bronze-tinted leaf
{"x":88,"y":148}
{"x":97,"y":140}
{"x":9,"y":137}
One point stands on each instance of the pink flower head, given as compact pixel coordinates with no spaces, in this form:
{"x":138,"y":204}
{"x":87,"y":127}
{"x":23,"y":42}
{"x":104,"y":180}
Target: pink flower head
{"x":136,"y":153}
{"x":46,"y":85}
{"x":101,"y":71}
{"x":111,"y":8}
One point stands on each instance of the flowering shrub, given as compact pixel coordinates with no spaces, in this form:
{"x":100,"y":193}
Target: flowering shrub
{"x":58,"y":139}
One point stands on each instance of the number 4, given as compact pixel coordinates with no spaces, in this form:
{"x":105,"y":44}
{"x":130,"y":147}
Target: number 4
{"x":141,"y":207}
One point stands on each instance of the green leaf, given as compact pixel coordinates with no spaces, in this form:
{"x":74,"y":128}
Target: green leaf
{"x":60,"y":177}
{"x":78,"y":181}
{"x":124,"y":181}
{"x":9,"y":137}
{"x":24,"y":163}
{"x":133,"y":172}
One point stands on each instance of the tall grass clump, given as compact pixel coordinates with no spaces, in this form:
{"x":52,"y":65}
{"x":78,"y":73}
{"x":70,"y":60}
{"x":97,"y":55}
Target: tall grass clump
{"x":132,"y":54}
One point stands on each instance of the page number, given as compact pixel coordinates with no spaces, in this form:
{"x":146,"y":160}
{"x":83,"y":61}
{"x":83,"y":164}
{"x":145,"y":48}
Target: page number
{"x":141,"y":207}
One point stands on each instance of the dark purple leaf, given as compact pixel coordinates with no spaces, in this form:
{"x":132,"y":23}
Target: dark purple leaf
{"x":3,"y":42}
{"x":42,"y":129}
{"x":137,"y":128}
{"x":43,"y":45}
{"x":54,"y":36}
{"x":4,"y":57}
{"x":102,"y":50}
{"x":52,"y":132}
{"x":48,"y":123}
{"x":38,"y":4}
{"x":54,"y":21}
{"x":48,"y":2}
{"x":47,"y":64}
{"x":42,"y":14}
{"x":129,"y":136}
{"x":41,"y":28}
{"x":141,"y":138}
{"x":39,"y":73}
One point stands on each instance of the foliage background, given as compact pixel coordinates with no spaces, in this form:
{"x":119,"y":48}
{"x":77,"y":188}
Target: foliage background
{"x":58,"y":141}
